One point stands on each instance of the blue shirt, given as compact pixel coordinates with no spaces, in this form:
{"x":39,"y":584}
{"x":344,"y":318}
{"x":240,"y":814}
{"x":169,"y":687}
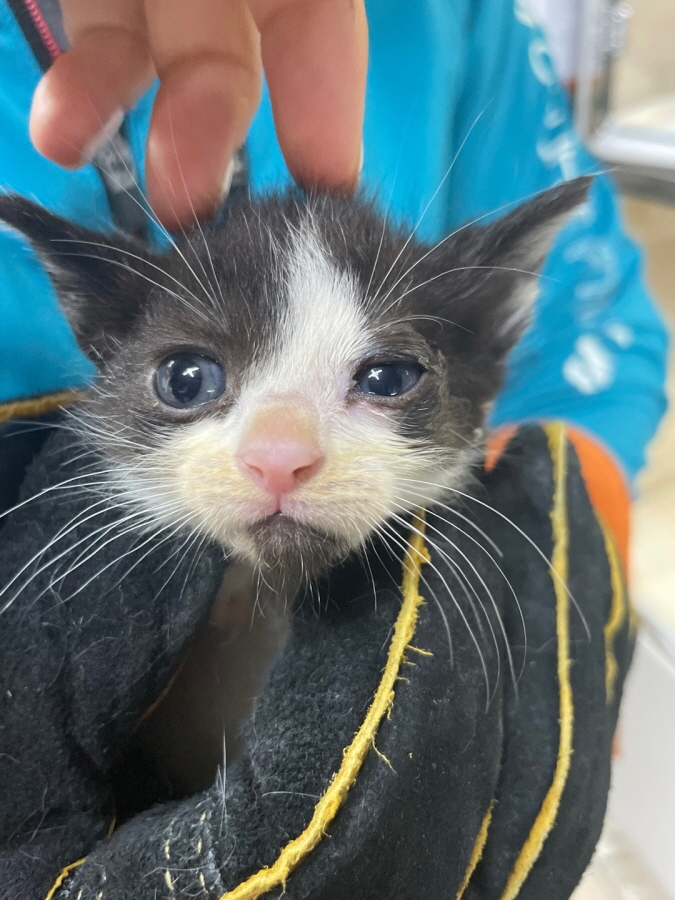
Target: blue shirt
{"x":464,"y":118}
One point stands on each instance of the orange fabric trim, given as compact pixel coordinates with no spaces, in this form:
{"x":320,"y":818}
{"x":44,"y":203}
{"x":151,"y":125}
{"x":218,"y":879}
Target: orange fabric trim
{"x":617,"y":746}
{"x":38,"y":406}
{"x":496,"y":445}
{"x":607,"y":488}
{"x":606,"y":484}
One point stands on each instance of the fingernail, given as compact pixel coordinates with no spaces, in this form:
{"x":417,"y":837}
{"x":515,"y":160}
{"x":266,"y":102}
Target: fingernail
{"x":110,"y":128}
{"x":361,"y":159}
{"x":227,"y":179}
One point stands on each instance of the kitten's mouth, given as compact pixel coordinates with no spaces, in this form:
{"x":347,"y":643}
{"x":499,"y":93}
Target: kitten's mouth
{"x":282,"y":527}
{"x":283,"y":541}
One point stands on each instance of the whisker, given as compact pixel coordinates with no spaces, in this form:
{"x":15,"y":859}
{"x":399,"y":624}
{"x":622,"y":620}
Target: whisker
{"x":116,"y":262}
{"x":141,"y":520}
{"x":201,"y":232}
{"x":366,"y":561}
{"x":173,"y":529}
{"x":429,"y":281}
{"x":392,"y":534}
{"x":499,"y":569}
{"x":504,"y":206}
{"x":62,"y":485}
{"x":187,"y":546}
{"x":529,"y":540}
{"x":63,"y":532}
{"x":148,"y":211}
{"x":427,"y":207}
{"x":489,"y":594}
{"x":104,"y":529}
{"x":461,"y":579}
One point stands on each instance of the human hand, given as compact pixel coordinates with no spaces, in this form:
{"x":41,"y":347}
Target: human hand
{"x":209,"y":56}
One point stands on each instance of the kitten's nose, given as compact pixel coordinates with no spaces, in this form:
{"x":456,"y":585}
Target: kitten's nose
{"x":280,"y":450}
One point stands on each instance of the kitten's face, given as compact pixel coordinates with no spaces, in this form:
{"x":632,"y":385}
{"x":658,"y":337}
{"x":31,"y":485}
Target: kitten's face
{"x":300,"y":377}
{"x":287,"y":418}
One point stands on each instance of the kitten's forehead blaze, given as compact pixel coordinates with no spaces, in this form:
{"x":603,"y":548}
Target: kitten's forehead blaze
{"x":323,"y":329}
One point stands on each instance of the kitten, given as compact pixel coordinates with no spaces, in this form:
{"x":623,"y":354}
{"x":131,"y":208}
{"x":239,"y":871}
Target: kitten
{"x":287,"y":384}
{"x":289,"y":381}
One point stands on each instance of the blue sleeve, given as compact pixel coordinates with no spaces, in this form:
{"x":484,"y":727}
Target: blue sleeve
{"x":596,"y":352}
{"x":38,"y":352}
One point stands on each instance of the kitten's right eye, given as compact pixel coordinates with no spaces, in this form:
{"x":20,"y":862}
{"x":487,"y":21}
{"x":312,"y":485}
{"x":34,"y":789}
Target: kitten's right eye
{"x":188,"y":380}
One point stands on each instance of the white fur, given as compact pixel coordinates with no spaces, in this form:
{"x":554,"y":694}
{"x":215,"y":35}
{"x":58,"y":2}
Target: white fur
{"x":323,"y":332}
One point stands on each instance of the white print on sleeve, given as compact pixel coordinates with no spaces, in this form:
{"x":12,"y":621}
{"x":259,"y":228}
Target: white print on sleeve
{"x":522,"y":12}
{"x":591,"y":368}
{"x":541,"y":63}
{"x":560,"y":151}
{"x":622,"y":334}
{"x":594,"y":294}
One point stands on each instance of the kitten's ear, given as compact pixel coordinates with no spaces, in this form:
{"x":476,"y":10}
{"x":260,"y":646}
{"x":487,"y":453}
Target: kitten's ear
{"x":92,"y":273}
{"x":513,"y":250}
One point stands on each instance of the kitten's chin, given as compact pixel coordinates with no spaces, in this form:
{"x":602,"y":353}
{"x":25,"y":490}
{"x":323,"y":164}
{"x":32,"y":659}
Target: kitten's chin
{"x":287,"y":547}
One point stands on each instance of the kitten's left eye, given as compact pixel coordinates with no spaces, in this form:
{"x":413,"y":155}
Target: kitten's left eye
{"x":388,"y":379}
{"x":188,"y":380}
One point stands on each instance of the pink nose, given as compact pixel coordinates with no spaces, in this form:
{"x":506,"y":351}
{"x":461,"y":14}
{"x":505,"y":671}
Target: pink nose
{"x":279,"y":453}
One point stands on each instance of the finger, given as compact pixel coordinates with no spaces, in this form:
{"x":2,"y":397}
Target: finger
{"x":207,"y":55}
{"x":88,"y":88}
{"x":315,"y":55}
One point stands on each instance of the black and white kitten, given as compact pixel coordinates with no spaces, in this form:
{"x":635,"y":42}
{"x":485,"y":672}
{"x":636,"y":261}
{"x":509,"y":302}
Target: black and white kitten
{"x":287,"y":382}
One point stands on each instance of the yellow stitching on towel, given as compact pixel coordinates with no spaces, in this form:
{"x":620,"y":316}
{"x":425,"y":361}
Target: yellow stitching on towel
{"x":634,"y":617}
{"x":383,"y":758}
{"x":295,"y":852}
{"x":38,"y":406}
{"x":420,"y":651}
{"x":546,"y":816}
{"x":111,"y":827}
{"x":617,"y":612}
{"x":152,"y":709}
{"x":477,"y":852}
{"x":63,"y":875}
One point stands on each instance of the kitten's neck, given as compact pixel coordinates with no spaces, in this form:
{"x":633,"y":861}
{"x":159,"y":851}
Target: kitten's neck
{"x":247,"y":592}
